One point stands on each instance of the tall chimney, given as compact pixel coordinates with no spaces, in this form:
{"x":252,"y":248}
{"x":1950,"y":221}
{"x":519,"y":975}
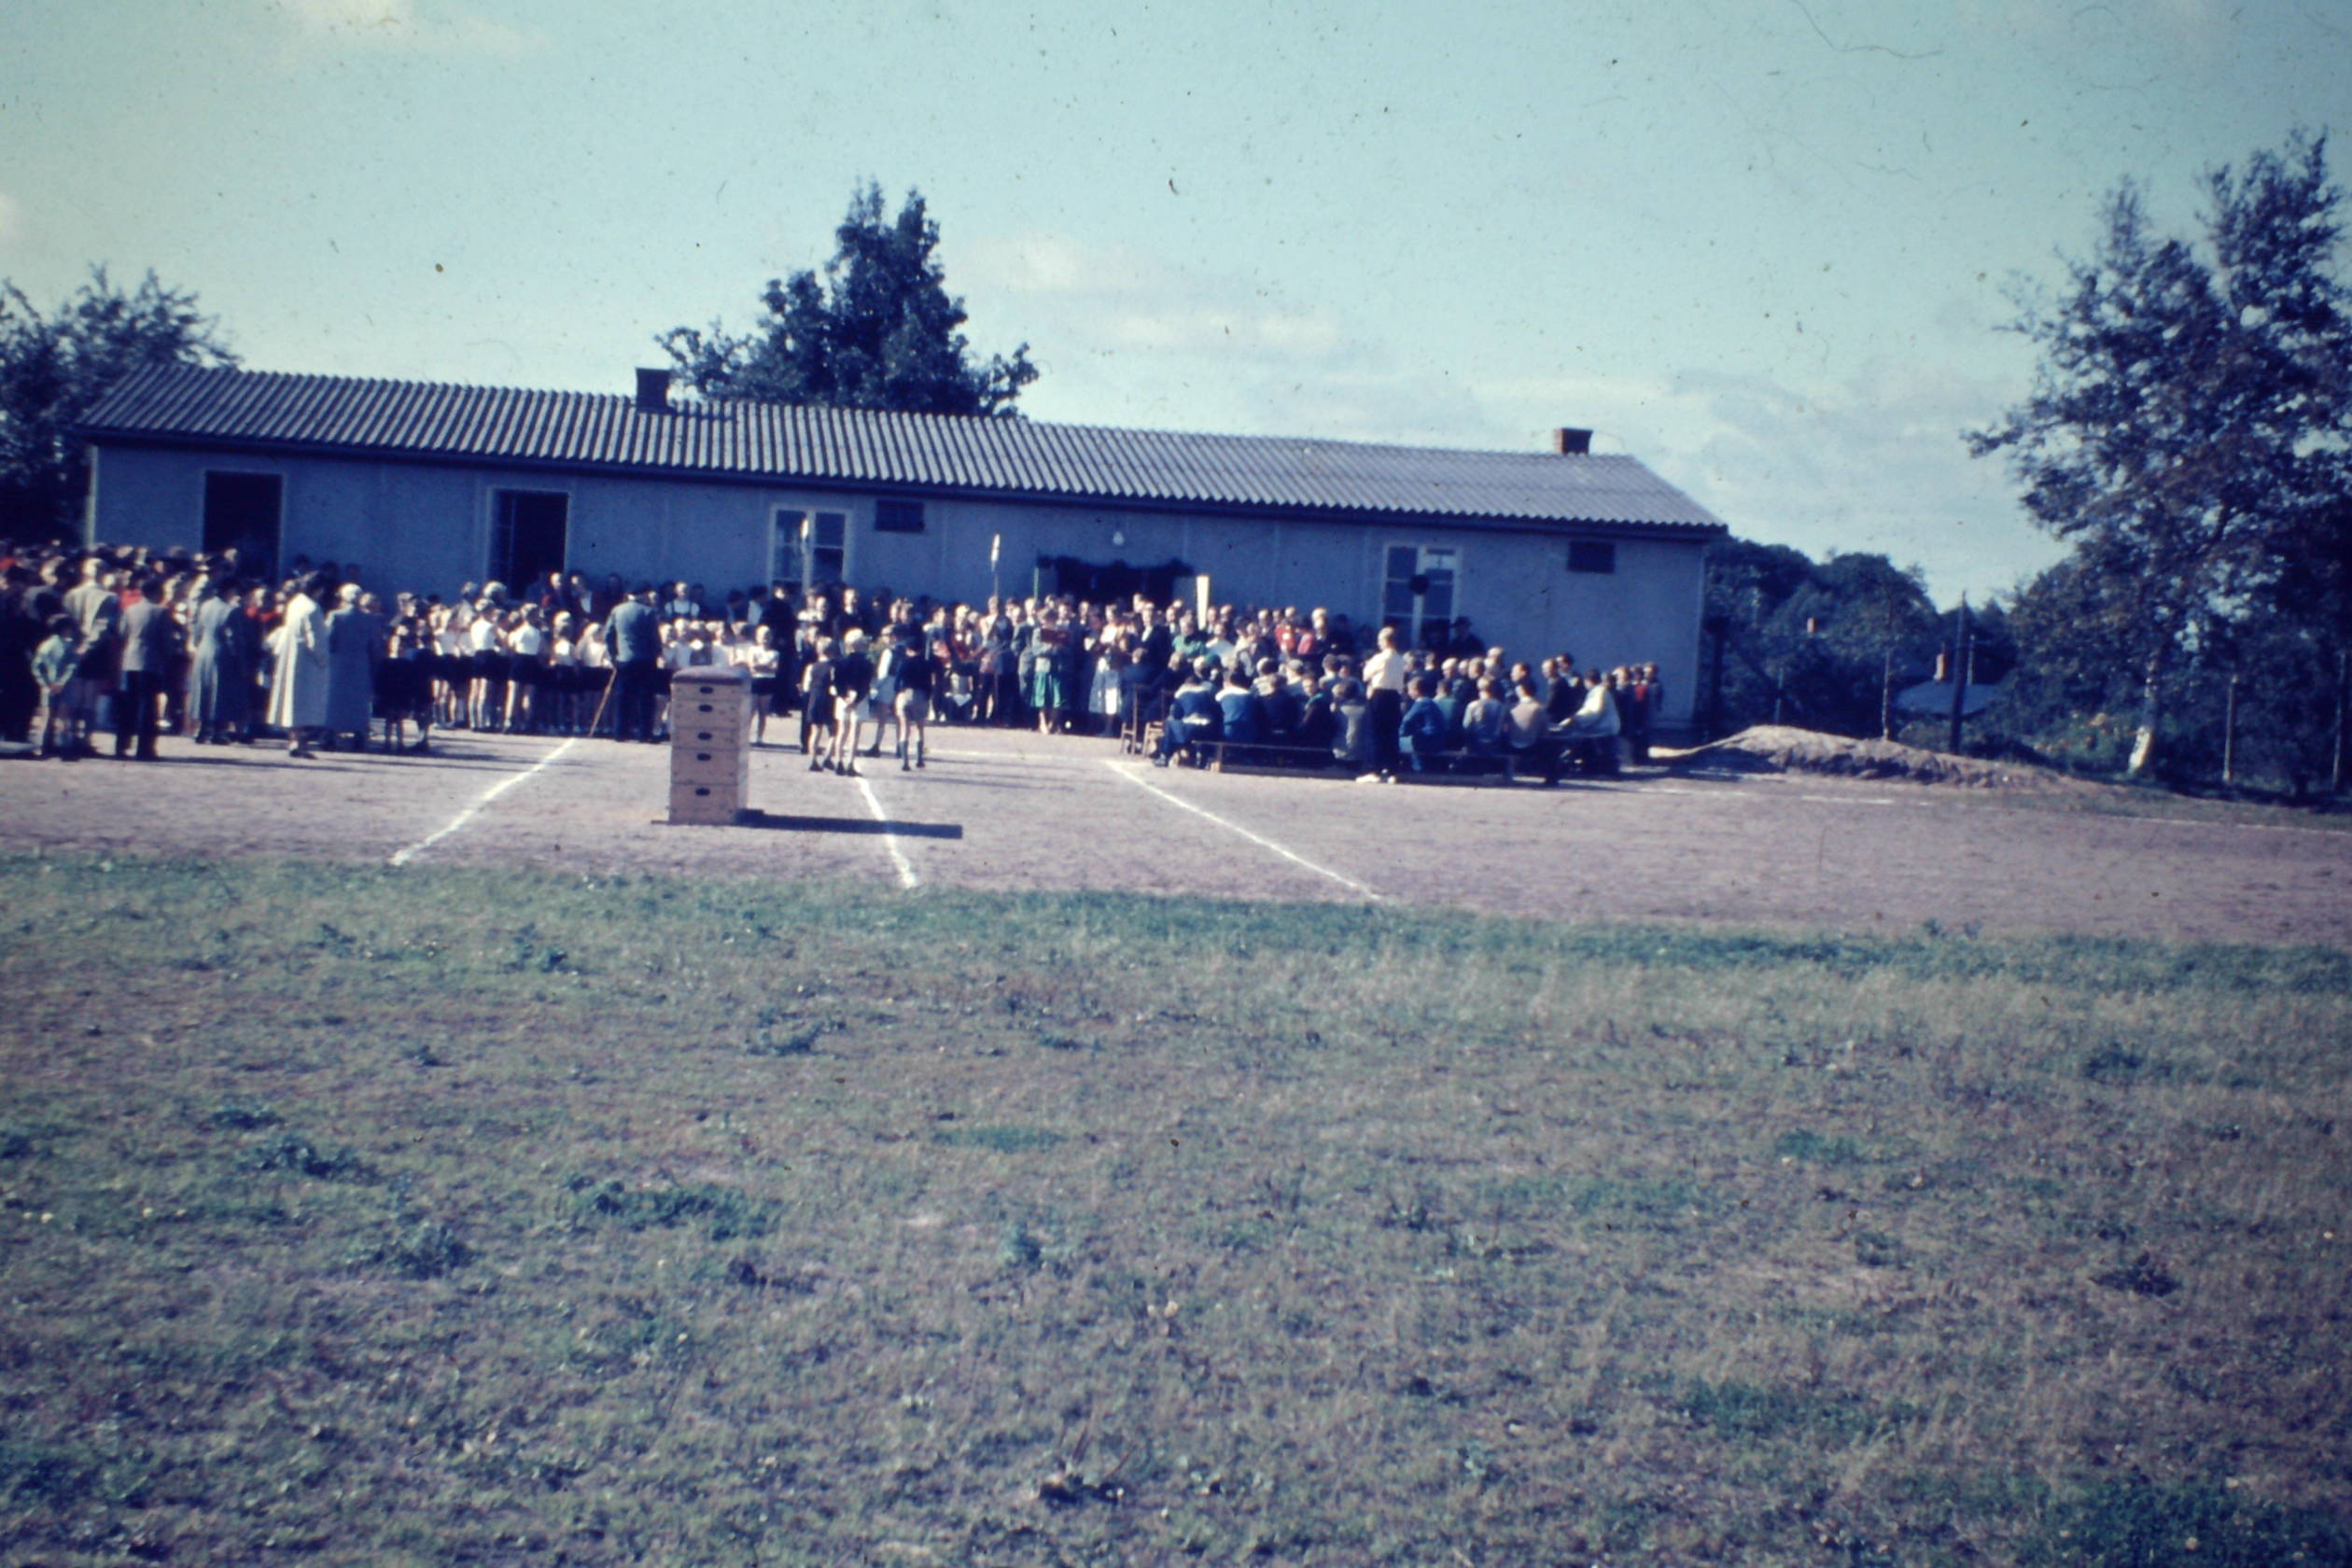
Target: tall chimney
{"x":1569,"y":442}
{"x":652,"y":395}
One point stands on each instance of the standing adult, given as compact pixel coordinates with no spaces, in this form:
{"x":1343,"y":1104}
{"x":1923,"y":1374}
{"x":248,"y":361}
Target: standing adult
{"x":1384,"y":700}
{"x":299,"y":682}
{"x":633,"y":640}
{"x":152,"y":643}
{"x":220,"y":675}
{"x":21,"y":634}
{"x":354,"y":647}
{"x":98,"y":615}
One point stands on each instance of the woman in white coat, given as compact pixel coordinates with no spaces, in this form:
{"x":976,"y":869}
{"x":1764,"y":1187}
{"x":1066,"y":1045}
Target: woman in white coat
{"x":297,"y":686}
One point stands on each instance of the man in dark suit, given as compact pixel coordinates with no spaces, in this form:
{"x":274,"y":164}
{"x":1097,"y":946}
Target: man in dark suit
{"x":150,"y":650}
{"x":633,"y":637}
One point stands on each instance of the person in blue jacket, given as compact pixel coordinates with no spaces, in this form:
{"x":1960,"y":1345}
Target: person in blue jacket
{"x":1193,"y":714}
{"x":1238,"y":709}
{"x":1421,"y":733}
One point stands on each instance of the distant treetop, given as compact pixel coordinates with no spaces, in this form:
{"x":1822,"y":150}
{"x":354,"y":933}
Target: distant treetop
{"x":877,"y":330}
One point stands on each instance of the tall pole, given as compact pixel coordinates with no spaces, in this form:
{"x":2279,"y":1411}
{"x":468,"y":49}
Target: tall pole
{"x":1960,"y":651}
{"x":2344,"y":698}
{"x":1722,"y":628}
{"x":2229,"y":736}
{"x":1887,"y":695}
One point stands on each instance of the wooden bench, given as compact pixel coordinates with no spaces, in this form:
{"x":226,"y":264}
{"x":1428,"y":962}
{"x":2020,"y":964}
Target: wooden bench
{"x":1264,"y":757}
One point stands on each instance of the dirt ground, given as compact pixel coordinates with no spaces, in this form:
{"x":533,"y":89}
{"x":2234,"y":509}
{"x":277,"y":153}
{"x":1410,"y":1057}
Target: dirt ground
{"x":1003,"y":810}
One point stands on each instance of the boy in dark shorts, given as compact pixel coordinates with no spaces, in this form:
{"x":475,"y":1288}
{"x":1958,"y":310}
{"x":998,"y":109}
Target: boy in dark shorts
{"x":917,"y":673}
{"x":816,"y":681}
{"x":852,"y":688}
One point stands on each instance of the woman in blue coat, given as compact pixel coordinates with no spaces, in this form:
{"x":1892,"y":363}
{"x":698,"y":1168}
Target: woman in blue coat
{"x":226,"y":647}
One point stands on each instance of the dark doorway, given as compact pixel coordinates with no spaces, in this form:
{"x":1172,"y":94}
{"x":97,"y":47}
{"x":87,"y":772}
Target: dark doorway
{"x":526,"y":535}
{"x":243,"y":512}
{"x":1107,"y":583}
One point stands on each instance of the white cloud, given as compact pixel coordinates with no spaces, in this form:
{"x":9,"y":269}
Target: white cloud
{"x":1872,"y":461}
{"x":11,"y":216}
{"x":1057,"y":265}
{"x":404,"y":24}
{"x":1125,"y":298}
{"x":1146,"y":341}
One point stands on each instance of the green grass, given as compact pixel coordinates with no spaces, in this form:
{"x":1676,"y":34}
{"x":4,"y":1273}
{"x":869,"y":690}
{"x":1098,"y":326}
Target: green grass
{"x":347,"y":1218}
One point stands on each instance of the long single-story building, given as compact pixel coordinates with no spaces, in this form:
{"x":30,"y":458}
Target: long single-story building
{"x":430,"y":487}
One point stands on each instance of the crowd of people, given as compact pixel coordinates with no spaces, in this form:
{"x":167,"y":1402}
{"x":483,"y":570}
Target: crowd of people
{"x":133,"y":643}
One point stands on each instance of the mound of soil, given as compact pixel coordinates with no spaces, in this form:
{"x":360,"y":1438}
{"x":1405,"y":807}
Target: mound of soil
{"x":1780,"y":748}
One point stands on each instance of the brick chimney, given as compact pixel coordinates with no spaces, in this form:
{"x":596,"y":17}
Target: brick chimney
{"x":1569,"y":442}
{"x":652,"y":391}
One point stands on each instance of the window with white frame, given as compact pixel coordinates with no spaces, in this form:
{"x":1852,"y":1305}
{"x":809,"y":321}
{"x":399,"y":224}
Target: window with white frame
{"x":810,"y":548}
{"x":1419,"y":592}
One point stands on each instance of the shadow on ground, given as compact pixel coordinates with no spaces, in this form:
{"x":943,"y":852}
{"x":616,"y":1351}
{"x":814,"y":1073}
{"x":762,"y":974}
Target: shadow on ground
{"x":773,"y":820}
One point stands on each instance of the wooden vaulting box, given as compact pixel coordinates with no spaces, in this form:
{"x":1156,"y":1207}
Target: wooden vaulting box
{"x":710,"y":755}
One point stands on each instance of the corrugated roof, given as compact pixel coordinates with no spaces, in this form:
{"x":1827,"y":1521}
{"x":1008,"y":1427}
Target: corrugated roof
{"x":915,"y":451}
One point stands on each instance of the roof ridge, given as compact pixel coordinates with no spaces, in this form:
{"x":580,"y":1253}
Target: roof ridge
{"x":967,"y":421}
{"x":786,"y":444}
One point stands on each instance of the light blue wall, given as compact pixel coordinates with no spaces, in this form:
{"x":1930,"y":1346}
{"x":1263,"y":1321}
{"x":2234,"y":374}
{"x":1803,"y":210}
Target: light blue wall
{"x":427,"y":528}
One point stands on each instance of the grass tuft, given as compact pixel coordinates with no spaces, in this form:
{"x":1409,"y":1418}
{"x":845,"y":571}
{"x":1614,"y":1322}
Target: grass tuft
{"x":292,"y":1152}
{"x":2141,"y":1524}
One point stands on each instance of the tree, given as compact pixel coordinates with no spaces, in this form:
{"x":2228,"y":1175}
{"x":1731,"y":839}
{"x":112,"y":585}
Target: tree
{"x":1815,"y":644}
{"x":1868,"y":618}
{"x":53,"y":370}
{"x":2186,"y":427}
{"x":878,"y":331}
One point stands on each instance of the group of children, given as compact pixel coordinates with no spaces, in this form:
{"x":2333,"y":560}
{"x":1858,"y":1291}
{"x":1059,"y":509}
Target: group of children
{"x":856,"y":671}
{"x":1403,"y":712}
{"x":854,"y":681}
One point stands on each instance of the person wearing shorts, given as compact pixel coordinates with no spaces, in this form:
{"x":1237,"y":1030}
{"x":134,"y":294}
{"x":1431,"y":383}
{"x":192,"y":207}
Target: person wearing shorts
{"x":917,"y":673}
{"x":882,"y":697}
{"x":852,"y":689}
{"x":763,"y":660}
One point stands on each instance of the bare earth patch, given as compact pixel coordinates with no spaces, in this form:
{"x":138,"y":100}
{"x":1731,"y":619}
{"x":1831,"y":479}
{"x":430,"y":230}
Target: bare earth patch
{"x":1007,"y":811}
{"x":1783,"y":749}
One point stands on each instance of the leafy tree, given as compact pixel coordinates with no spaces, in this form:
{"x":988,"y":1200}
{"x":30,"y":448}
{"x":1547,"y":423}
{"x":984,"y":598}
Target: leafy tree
{"x":1815,"y":644}
{"x":54,"y":366}
{"x":2186,"y":427}
{"x":1870,"y":619}
{"x":879,"y":330}
{"x":2069,"y":698}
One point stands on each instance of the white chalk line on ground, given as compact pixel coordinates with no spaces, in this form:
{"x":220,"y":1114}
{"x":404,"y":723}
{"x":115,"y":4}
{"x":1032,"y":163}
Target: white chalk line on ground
{"x":889,"y":840}
{"x":402,"y":857}
{"x":1126,"y":772}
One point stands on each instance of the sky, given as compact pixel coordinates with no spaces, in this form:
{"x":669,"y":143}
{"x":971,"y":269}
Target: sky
{"x":1769,"y":248}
